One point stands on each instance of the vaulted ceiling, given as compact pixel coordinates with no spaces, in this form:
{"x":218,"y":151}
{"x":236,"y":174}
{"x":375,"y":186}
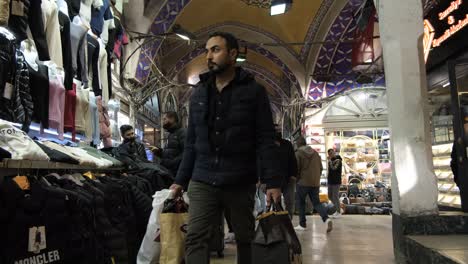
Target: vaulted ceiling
{"x":283,"y":68}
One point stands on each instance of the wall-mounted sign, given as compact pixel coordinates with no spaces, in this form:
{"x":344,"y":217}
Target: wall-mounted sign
{"x":445,"y":31}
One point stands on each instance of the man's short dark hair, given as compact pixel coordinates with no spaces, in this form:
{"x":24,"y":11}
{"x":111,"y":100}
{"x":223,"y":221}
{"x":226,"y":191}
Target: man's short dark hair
{"x":301,"y":141}
{"x":231,"y":41}
{"x":172,"y":115}
{"x":125,"y":128}
{"x":330,"y":150}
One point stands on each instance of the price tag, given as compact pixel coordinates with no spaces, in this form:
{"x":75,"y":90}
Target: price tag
{"x":17,"y":8}
{"x":8,"y":91}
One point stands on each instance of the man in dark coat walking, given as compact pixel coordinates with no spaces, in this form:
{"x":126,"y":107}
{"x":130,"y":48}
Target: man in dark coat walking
{"x":230,"y":132}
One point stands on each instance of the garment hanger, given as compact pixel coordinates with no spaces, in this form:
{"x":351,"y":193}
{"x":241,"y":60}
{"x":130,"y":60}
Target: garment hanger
{"x":73,"y":179}
{"x":22,"y":181}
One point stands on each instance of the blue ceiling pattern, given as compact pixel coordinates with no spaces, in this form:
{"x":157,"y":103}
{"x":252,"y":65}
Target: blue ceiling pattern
{"x":162,"y":23}
{"x":266,"y":53}
{"x":335,"y":57}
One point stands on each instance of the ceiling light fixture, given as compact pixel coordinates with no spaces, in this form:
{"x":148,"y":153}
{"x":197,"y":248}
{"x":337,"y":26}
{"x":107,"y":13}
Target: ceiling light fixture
{"x":182,"y":33}
{"x":445,"y":85}
{"x":182,"y":36}
{"x":279,"y":7}
{"x":242,"y":56}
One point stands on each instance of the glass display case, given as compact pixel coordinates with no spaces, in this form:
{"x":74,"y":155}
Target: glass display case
{"x":442,"y":142}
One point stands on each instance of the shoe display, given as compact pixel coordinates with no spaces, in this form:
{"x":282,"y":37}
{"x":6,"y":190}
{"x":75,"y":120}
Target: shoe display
{"x":329,"y":224}
{"x":300,"y":228}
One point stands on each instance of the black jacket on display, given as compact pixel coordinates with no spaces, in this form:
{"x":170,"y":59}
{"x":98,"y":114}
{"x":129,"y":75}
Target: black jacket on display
{"x":66,"y":50}
{"x":335,"y":167}
{"x":245,"y":135}
{"x":31,"y":16}
{"x":37,"y":227}
{"x":172,"y":154}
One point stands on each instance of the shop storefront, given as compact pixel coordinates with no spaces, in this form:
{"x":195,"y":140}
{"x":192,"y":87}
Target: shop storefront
{"x":446,"y":54}
{"x":355,"y":126}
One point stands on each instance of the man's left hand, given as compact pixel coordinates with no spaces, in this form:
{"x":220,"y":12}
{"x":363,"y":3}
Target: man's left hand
{"x":273,"y":195}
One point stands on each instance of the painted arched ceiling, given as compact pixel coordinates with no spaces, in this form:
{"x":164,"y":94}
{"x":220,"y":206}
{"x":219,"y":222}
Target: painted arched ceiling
{"x":250,"y":23}
{"x":288,"y":65}
{"x":290,"y":27}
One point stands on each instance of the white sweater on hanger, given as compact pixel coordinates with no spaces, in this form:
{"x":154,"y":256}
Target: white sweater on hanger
{"x":103,"y":77}
{"x":52,"y":29}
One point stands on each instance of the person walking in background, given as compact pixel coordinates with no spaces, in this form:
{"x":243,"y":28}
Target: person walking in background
{"x":309,"y":165}
{"x":171,"y":155}
{"x":334,"y":180}
{"x":287,"y":159}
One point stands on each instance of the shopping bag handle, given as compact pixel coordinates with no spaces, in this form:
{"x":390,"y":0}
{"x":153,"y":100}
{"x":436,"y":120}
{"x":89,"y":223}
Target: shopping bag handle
{"x":275,"y":207}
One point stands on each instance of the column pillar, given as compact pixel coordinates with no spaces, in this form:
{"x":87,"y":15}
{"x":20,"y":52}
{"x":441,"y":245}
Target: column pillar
{"x":414,"y":184}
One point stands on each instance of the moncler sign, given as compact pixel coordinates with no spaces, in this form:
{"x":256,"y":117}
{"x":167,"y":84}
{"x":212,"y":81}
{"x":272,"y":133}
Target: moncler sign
{"x":37,"y":243}
{"x":44,"y":258}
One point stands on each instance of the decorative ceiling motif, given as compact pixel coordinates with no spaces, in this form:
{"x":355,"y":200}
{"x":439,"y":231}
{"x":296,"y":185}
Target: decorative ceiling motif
{"x":335,"y":57}
{"x":163,"y":22}
{"x":284,"y":68}
{"x":313,"y":29}
{"x":214,"y":27}
{"x":258,"y":3}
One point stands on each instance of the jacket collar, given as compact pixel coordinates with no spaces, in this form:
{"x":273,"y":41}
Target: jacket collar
{"x":241,"y":76}
{"x":173,"y":129}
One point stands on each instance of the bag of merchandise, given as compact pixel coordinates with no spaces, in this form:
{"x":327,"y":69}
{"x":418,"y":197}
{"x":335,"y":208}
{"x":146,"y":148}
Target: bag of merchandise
{"x":150,"y":248}
{"x":275,"y":240}
{"x":174,"y":220}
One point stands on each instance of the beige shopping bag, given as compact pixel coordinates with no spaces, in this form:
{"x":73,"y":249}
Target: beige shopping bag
{"x":172,"y":233}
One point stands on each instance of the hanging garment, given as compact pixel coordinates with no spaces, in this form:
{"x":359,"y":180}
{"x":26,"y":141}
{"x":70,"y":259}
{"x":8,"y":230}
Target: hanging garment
{"x":56,"y":104}
{"x":29,"y":15}
{"x":7,"y":72}
{"x":24,"y":110}
{"x":73,"y":8}
{"x":16,"y":104}
{"x":114,"y":109}
{"x":93,"y":64}
{"x":78,"y":45}
{"x":4,"y":12}
{"x":103,"y":76}
{"x":39,"y":86}
{"x":96,"y":139}
{"x":82,"y":113}
{"x":38,"y":225}
{"x":114,"y":34}
{"x":99,"y":16}
{"x":63,"y":7}
{"x":104,"y":124}
{"x":70,"y":111}
{"x":52,"y":29}
{"x":86,"y":10}
{"x":19,"y":144}
{"x":66,"y":50}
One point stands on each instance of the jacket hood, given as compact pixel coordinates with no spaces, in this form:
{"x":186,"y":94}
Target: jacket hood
{"x":306,"y":151}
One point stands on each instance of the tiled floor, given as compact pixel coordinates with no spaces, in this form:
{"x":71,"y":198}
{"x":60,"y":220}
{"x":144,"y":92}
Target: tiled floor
{"x":355,"y":239}
{"x":454,"y":247}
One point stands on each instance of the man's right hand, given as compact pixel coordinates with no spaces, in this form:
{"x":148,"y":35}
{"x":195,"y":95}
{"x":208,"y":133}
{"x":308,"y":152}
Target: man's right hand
{"x":177,"y":189}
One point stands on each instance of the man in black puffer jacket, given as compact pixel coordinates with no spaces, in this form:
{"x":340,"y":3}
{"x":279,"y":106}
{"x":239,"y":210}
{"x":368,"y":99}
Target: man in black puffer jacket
{"x":172,"y":153}
{"x":230,"y":133}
